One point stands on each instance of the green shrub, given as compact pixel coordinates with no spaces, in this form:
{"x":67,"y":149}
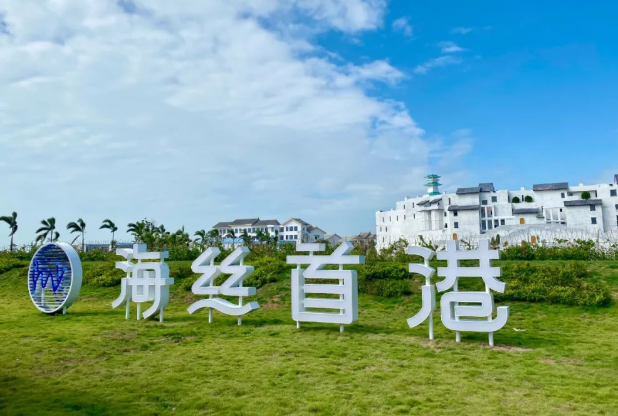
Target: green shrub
{"x":98,"y":255}
{"x":528,"y":198}
{"x":562,"y":250}
{"x":8,"y":262}
{"x":515,"y":200}
{"x":384,"y":279}
{"x":387,"y":288}
{"x":180,"y":271}
{"x":267,"y":270}
{"x":585,"y":195}
{"x":102,"y":274}
{"x":568,"y":284}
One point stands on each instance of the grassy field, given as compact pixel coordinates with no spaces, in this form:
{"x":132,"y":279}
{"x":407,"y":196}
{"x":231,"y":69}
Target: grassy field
{"x":549,"y":359}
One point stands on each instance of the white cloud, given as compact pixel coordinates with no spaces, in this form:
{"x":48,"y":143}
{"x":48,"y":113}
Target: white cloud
{"x":450,"y":47}
{"x":461,"y":30}
{"x":402,"y":25}
{"x":437,"y":63}
{"x":195,"y":112}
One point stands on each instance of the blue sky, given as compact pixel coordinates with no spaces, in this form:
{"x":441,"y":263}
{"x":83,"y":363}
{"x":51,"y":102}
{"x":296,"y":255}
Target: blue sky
{"x":537,"y":83}
{"x":196,"y":112}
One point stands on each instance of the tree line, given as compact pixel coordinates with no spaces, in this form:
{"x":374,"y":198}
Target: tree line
{"x":144,"y":231}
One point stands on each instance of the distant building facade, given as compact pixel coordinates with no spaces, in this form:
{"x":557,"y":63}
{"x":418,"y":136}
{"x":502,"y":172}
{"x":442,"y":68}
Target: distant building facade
{"x":292,"y":230}
{"x":482,"y":210}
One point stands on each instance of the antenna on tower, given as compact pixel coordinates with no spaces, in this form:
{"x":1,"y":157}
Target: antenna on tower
{"x":433,"y":184}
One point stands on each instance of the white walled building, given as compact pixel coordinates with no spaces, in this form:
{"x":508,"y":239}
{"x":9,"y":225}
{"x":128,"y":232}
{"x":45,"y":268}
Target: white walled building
{"x":296,"y":229}
{"x":291,"y":230}
{"x":484,"y":210}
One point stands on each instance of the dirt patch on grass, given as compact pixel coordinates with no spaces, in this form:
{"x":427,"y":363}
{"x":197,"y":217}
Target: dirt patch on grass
{"x":272,"y":303}
{"x":572,"y":360}
{"x":510,"y":348}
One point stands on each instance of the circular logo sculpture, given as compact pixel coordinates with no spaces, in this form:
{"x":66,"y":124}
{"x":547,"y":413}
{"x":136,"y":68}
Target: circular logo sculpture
{"x":55,"y":277}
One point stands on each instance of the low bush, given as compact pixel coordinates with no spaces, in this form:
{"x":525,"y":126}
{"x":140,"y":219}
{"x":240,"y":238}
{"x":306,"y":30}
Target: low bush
{"x":9,"y":263}
{"x":98,"y":255}
{"x":562,"y":250}
{"x":384,"y":279}
{"x":267,"y":270}
{"x":569,"y":284}
{"x":102,"y":274}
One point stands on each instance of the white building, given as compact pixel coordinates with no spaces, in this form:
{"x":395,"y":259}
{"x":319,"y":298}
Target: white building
{"x":296,"y":229}
{"x":483,"y":210}
{"x":333,"y":239}
{"x":291,"y":230}
{"x":251,"y":225}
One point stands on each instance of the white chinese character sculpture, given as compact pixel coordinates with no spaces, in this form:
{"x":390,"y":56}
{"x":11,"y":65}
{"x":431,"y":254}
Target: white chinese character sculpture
{"x":347,"y":288}
{"x":454,"y":315}
{"x":145,"y":281}
{"x":428,"y":290}
{"x":232,"y":264}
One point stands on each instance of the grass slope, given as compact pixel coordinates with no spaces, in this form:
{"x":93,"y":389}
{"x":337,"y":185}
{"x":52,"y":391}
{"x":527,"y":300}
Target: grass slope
{"x":561,"y":360}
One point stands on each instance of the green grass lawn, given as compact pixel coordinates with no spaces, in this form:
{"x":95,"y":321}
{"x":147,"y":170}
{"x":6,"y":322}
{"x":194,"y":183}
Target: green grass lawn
{"x":549,"y":359}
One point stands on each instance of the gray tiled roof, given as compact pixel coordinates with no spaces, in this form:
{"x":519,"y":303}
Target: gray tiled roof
{"x":267,"y":222}
{"x":550,"y":186}
{"x":222,"y":224}
{"x":616,"y":178}
{"x":245,"y":221}
{"x":525,"y":210}
{"x":487,"y":187}
{"x":463,"y":207}
{"x":422,"y":202}
{"x":433,"y":201}
{"x":582,"y":202}
{"x":463,"y":191}
{"x":367,"y":235}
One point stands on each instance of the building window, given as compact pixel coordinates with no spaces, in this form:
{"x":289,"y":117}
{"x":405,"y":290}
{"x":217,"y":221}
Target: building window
{"x":454,"y":213}
{"x":484,"y":202}
{"x":449,"y":201}
{"x":496,"y":223}
{"x":380,"y":229}
{"x":386,"y":229}
{"x":445,"y":214}
{"x":494,"y":199}
{"x":502,"y":222}
{"x":593,"y":220}
{"x":445,"y":225}
{"x":569,"y":193}
{"x":562,"y":195}
{"x":397,"y":217}
{"x":593,"y":208}
{"x":616,"y":206}
{"x":412,"y":204}
{"x":455,"y":225}
{"x":404,"y":217}
{"x":613,"y":192}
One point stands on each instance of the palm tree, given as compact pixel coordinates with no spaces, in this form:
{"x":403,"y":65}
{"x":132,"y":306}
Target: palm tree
{"x":11,"y":221}
{"x":246,"y":238}
{"x":78,"y":227}
{"x":109,"y":225}
{"x":137,"y":229}
{"x":48,"y":230}
{"x":231,"y":234}
{"x":201,"y":237}
{"x":213,"y":235}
